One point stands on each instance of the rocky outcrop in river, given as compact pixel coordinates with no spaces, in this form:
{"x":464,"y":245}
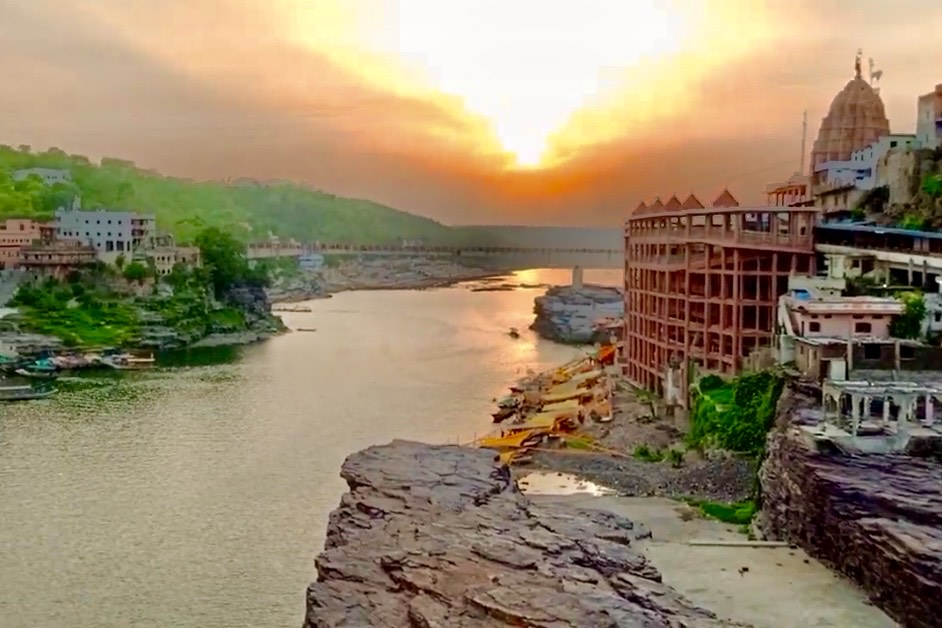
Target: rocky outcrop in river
{"x":567,"y":314}
{"x":877,"y":518}
{"x":441,"y":536}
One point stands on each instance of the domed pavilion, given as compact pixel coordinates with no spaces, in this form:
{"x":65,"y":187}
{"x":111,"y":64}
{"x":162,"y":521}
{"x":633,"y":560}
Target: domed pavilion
{"x":855,"y":120}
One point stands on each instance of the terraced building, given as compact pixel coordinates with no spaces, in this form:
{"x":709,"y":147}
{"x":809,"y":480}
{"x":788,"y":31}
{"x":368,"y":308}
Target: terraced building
{"x":702,"y":285}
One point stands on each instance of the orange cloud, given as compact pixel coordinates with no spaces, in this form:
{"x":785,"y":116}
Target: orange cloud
{"x":360,"y":100}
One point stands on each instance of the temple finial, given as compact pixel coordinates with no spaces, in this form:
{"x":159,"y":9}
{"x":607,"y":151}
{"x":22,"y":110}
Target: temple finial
{"x":857,"y":63}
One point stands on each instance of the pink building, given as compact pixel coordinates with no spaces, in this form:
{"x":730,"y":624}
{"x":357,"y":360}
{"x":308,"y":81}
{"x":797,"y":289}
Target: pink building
{"x":842,"y":317}
{"x":15,"y":233}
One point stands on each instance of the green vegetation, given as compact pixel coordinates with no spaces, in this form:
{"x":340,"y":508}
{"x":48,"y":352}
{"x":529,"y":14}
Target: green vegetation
{"x":653,"y":454}
{"x":247,"y":209}
{"x":737,"y":513}
{"x":78,"y":315}
{"x":94,"y":309}
{"x":648,"y":454}
{"x":909,"y":323}
{"x":932,"y":185}
{"x":737,"y":415}
{"x":135,"y":271}
{"x":223,"y":258}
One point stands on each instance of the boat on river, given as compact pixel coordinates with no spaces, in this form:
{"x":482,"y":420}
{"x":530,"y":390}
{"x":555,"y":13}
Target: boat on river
{"x":127,"y":361}
{"x":24,"y":392}
{"x":35,"y":374}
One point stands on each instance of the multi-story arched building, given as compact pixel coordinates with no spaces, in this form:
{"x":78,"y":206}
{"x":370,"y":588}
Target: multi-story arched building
{"x":702,"y":285}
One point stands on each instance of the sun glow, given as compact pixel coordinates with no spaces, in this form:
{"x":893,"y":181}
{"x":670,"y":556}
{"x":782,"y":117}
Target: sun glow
{"x":528,"y":66}
{"x":538,"y":79}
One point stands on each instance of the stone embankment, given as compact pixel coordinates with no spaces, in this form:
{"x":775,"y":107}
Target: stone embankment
{"x":441,"y":536}
{"x":568,"y":314}
{"x":876,"y":518}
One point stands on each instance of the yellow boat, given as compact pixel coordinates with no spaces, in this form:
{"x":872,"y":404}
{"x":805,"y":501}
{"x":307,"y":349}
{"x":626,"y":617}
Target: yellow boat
{"x":566,"y":392}
{"x":516,"y":440}
{"x":568,"y":404}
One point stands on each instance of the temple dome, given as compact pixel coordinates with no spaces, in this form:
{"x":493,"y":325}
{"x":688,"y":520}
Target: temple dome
{"x":855,"y":119}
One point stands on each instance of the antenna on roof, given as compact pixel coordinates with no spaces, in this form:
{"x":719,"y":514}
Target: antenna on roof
{"x":804,"y":139}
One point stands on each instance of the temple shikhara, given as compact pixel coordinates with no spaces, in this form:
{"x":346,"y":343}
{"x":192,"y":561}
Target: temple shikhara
{"x":718,"y":287}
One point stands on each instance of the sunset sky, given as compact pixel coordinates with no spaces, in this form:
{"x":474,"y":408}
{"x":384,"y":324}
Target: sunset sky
{"x":468,"y":111}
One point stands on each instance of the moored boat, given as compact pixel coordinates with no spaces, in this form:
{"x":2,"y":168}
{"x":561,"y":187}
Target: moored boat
{"x":24,"y":393}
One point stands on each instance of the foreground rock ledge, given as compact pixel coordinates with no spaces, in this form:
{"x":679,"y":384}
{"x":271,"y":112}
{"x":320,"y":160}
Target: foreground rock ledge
{"x":441,"y":536}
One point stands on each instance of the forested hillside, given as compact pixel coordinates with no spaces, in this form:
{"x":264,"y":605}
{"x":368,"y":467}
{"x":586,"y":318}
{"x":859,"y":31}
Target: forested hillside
{"x":245,"y":208}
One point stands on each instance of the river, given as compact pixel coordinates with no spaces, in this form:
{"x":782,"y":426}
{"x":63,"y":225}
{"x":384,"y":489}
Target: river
{"x":197,"y":494}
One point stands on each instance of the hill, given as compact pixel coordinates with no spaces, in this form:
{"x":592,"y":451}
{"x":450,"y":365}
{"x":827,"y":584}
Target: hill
{"x":249,"y":209}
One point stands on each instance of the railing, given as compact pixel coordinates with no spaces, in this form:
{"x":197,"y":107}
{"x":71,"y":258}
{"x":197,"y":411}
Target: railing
{"x":719,"y":234}
{"x":321,"y":247}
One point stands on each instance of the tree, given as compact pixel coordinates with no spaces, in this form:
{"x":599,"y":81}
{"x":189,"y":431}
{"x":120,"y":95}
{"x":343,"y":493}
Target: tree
{"x":135,"y":271}
{"x":909,"y":323}
{"x":120,"y":261}
{"x":224,"y":257}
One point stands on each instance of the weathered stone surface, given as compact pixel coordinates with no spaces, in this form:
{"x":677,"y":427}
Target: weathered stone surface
{"x":440,"y":536}
{"x":567,"y":314}
{"x":876,"y":518}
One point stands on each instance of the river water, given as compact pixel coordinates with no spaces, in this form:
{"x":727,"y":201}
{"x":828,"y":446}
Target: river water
{"x":197,"y":494}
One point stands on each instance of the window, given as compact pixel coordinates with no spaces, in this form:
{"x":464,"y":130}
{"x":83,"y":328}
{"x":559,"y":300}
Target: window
{"x":893,"y":144}
{"x":872,"y":352}
{"x":862,"y":328}
{"x":907,"y":352}
{"x":814,"y":326}
{"x":938,"y":317}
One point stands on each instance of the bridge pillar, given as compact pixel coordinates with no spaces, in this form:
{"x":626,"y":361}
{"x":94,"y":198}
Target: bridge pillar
{"x":577,"y":277}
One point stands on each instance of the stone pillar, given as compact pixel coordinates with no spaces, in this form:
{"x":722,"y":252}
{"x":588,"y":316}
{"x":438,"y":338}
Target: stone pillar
{"x":930,"y":410}
{"x":886,"y":410}
{"x":854,"y":414}
{"x":908,"y":403}
{"x":577,"y":277}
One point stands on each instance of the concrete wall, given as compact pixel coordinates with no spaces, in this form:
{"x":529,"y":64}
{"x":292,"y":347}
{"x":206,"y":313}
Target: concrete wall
{"x":896,"y":171}
{"x":928,"y":116}
{"x":883,"y":357}
{"x":841,"y":325}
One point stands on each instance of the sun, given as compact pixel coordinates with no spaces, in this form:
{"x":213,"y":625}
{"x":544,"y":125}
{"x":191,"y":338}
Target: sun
{"x":527,"y":66}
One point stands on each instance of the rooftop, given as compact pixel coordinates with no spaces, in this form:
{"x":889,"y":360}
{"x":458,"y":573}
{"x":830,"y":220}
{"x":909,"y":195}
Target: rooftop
{"x":848,"y":305}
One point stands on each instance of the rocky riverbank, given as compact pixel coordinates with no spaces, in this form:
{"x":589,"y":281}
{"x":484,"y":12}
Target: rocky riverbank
{"x":568,"y":314}
{"x":638,"y":438}
{"x":441,"y":536}
{"x":877,"y":518}
{"x":378,"y":273}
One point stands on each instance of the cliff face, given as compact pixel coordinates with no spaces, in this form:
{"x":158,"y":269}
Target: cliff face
{"x":566,"y":314}
{"x":875,"y":518}
{"x":440,"y":536}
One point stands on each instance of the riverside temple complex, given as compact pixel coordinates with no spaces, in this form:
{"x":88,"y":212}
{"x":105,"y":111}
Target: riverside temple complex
{"x":716,"y":287}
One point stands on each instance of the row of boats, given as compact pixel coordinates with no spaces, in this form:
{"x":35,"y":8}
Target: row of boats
{"x":48,"y":364}
{"x":552,"y":406}
{"x":24,"y":379}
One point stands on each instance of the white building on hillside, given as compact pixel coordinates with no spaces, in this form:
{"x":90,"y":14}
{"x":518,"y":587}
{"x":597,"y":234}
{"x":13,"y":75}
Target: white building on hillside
{"x":110,"y":233}
{"x":50,"y":176}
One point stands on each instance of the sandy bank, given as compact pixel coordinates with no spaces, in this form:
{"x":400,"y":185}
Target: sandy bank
{"x":408,"y":273}
{"x":764,"y":587}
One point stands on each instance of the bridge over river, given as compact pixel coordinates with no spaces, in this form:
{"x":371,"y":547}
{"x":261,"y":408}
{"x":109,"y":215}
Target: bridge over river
{"x":495,"y":256}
